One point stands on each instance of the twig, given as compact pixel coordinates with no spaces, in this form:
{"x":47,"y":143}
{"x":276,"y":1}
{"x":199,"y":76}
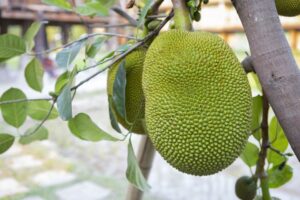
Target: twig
{"x":276,"y":150}
{"x":247,"y":64}
{"x":111,"y":25}
{"x":124,"y":14}
{"x":123,"y":55}
{"x":98,"y":63}
{"x":155,"y":16}
{"x":24,"y":100}
{"x":155,"y":7}
{"x":44,"y":120}
{"x":82,"y":39}
{"x":130,"y":4}
{"x":260,"y":170}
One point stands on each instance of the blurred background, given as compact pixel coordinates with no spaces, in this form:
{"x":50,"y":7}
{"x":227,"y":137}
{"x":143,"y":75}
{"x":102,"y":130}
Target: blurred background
{"x":66,"y":168}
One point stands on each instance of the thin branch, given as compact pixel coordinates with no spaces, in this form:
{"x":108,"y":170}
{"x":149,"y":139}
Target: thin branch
{"x":123,"y":55}
{"x":260,"y":170}
{"x":98,"y":63}
{"x":82,"y":39}
{"x":247,"y":64}
{"x":111,"y":25}
{"x":130,"y":4}
{"x":124,"y":14}
{"x":24,"y":100}
{"x":155,"y":16}
{"x":44,"y":120}
{"x":155,"y":7}
{"x":276,"y":151}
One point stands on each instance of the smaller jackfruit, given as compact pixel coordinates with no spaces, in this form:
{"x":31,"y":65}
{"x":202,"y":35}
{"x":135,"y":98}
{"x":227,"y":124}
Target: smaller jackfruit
{"x":134,"y":98}
{"x":288,"y":8}
{"x":245,"y":188}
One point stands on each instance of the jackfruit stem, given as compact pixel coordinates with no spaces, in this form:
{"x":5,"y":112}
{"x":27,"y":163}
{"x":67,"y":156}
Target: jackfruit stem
{"x":182,"y":16}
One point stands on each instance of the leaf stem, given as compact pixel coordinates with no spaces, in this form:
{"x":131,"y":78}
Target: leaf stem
{"x":44,"y":120}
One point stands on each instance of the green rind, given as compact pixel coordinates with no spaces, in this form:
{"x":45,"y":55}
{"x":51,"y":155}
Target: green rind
{"x":288,"y":8}
{"x":198,"y":101}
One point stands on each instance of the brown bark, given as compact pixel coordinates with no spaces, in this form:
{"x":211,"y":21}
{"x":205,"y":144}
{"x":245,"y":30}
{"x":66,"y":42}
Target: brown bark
{"x":274,"y":63}
{"x":145,"y":157}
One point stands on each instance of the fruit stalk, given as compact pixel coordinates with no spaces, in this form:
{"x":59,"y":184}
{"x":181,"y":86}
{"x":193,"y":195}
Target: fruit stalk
{"x":182,"y":17}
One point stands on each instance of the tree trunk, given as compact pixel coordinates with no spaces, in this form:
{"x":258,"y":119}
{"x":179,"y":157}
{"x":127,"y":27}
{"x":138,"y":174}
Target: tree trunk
{"x":145,"y":157}
{"x":274,"y":63}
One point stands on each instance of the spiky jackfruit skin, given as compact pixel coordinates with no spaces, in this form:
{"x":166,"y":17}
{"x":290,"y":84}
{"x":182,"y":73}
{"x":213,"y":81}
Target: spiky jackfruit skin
{"x":198,"y":101}
{"x":288,"y":8}
{"x":134,"y":98}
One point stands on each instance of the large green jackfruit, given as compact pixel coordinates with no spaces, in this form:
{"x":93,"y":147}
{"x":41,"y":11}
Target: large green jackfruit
{"x":134,"y":98}
{"x":197,"y":101}
{"x":288,"y":8}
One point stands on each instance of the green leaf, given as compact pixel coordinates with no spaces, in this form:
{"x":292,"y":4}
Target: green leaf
{"x":31,"y":33}
{"x":6,"y":141}
{"x":278,"y":176}
{"x":133,"y":172}
{"x":95,"y":47}
{"x":14,"y":113}
{"x":256,"y":116}
{"x":34,"y":73}
{"x":64,"y":103}
{"x":112,"y":117}
{"x":66,"y":56}
{"x":277,"y":136}
{"x":84,"y":128}
{"x":93,"y":8}
{"x":11,"y":46}
{"x":31,"y":136}
{"x":250,"y":154}
{"x":64,"y":4}
{"x":38,"y":110}
{"x":119,"y":90}
{"x":278,"y":141}
{"x":144,"y":12}
{"x":61,"y":81}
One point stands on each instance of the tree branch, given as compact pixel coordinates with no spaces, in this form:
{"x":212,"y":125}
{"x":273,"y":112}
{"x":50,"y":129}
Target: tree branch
{"x":274,"y":63}
{"x":247,"y":64}
{"x":124,"y":14}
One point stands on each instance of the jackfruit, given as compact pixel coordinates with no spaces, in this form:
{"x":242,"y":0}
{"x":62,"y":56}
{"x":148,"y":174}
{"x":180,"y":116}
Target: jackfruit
{"x":134,"y":98}
{"x":245,"y":188}
{"x":197,"y":101}
{"x":288,"y":8}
